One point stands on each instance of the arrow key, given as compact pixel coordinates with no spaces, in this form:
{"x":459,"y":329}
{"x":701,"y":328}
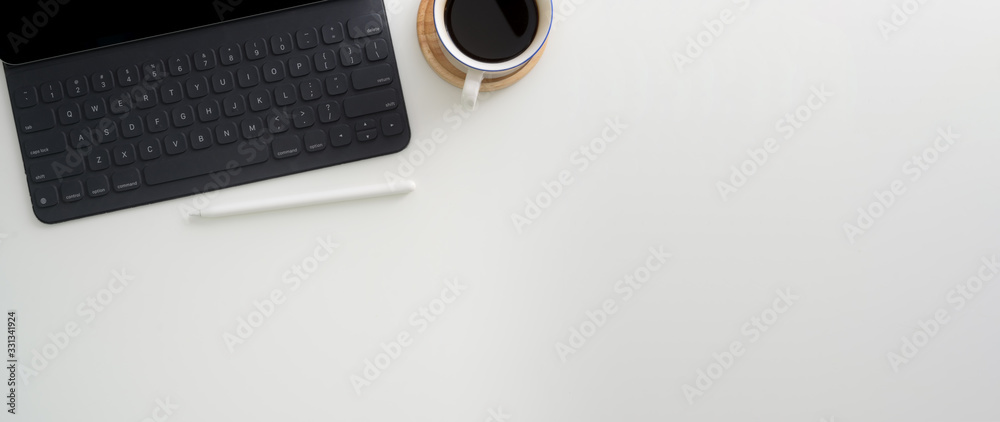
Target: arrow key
{"x":392,"y":125}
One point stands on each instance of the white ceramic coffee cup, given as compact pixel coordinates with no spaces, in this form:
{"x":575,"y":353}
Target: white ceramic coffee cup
{"x":476,"y":70}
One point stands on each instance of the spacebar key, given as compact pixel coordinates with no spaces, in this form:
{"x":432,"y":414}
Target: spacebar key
{"x":365,"y":104}
{"x":204,"y":162}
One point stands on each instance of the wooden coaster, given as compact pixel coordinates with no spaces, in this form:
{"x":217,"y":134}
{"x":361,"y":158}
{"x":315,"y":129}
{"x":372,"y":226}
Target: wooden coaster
{"x":436,"y":57}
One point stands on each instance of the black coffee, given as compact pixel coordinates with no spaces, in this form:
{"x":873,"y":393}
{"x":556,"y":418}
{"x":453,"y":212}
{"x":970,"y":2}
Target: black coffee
{"x":492,"y":31}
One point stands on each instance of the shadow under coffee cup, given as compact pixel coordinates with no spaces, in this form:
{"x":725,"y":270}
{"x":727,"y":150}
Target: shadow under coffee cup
{"x":489,"y":39}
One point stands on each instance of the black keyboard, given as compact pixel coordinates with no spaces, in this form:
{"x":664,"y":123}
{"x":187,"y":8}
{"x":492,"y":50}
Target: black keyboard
{"x":208,"y":108}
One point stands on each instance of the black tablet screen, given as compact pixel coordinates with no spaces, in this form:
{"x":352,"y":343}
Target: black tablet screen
{"x":39,"y":29}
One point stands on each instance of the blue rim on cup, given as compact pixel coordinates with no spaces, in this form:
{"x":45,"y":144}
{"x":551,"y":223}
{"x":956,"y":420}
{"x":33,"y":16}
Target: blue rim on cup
{"x":476,"y":70}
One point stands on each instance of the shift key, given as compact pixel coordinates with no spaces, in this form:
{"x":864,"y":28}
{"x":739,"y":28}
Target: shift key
{"x":365,"y":104}
{"x":36,"y":121}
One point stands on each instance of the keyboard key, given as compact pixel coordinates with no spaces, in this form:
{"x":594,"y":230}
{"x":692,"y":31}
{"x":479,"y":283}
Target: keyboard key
{"x":277,"y":122}
{"x":174,"y":144}
{"x":252,"y":128}
{"x":97,"y":186}
{"x":392,"y":125}
{"x":306,"y":38}
{"x":365,"y":26}
{"x":71,"y":191}
{"x":374,"y":102}
{"x":370,"y":77}
{"x":311,"y":89}
{"x":36,"y":120}
{"x":333,"y":33}
{"x":201,"y":138}
{"x":256,"y":49}
{"x":81,"y":137}
{"x":328,"y":112}
{"x":285,"y":95}
{"x":149,"y":149}
{"x":315,"y":140}
{"x":248,"y":77}
{"x":281,"y":44}
{"x":234,"y":105}
{"x":336,"y":84}
{"x":367,"y":135}
{"x":56,"y":169}
{"x":153,"y":71}
{"x":350,"y":55}
{"x":230,"y":55}
{"x":226,"y":133}
{"x":171,"y":92}
{"x":128,"y":76}
{"x":208,"y":111}
{"x":377,"y":50}
{"x":179,"y":65}
{"x":260,"y":100}
{"x":106,"y":131}
{"x":69,"y":114}
{"x":102,"y":81}
{"x":41,"y":172}
{"x":182,"y":116}
{"x":197,"y":87}
{"x":125,"y":180}
{"x":98,"y":160}
{"x":325,"y":60}
{"x":222,"y":82}
{"x":157,"y":121}
{"x":364,"y":125}
{"x":205,"y":162}
{"x":52,"y":92}
{"x":124,"y":154}
{"x":94,"y":109}
{"x":77,"y":86}
{"x":121,"y":104}
{"x":45,"y":196}
{"x":25,"y":97}
{"x":204,"y":60}
{"x":303,"y":117}
{"x":132,"y":126}
{"x":144,"y":99}
{"x":274,"y":71}
{"x":298,"y":66}
{"x":45,"y":144}
{"x":341,"y":135}
{"x":286,"y":146}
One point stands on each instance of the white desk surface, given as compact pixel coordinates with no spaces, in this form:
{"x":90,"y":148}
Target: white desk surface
{"x":494,"y":348}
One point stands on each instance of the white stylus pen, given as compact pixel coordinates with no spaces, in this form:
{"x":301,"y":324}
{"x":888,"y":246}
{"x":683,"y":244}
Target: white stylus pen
{"x":340,"y":195}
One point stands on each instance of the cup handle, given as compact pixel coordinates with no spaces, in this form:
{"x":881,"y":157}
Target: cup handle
{"x":470,"y":94}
